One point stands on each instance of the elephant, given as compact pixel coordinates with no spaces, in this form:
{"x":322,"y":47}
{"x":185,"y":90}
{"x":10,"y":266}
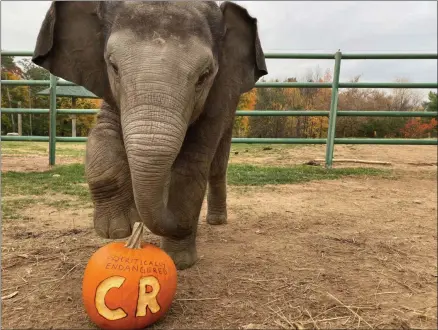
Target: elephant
{"x":170,"y":75}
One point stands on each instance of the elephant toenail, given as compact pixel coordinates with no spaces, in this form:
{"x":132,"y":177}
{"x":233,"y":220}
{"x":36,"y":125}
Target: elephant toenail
{"x":101,"y":233}
{"x":120,"y":233}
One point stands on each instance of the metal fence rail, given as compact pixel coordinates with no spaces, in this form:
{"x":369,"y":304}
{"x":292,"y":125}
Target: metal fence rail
{"x":332,"y":114}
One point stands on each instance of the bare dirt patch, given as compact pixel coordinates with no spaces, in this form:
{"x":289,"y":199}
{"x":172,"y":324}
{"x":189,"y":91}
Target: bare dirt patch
{"x":34,"y":156}
{"x":400,"y":157}
{"x":34,"y":163}
{"x":350,"y":253}
{"x":58,"y":218}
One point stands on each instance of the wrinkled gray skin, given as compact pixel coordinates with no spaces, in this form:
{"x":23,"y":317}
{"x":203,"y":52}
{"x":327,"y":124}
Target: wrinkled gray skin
{"x":170,"y":74}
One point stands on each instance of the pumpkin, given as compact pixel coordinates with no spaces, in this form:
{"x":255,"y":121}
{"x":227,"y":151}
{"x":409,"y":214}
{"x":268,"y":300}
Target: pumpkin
{"x":128,"y":286}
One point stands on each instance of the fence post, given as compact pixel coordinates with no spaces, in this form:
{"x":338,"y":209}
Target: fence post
{"x":52,"y":125}
{"x":333,"y":112}
{"x":20,"y":121}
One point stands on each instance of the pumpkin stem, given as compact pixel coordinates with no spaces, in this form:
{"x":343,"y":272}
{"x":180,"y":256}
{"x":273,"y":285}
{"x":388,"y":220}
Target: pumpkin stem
{"x":134,"y":241}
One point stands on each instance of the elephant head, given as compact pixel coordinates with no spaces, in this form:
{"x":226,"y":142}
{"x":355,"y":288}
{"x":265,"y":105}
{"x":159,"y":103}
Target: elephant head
{"x":158,"y":65}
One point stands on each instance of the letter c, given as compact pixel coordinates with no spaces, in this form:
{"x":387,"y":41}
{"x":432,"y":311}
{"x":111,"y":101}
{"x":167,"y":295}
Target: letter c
{"x":101,"y":291}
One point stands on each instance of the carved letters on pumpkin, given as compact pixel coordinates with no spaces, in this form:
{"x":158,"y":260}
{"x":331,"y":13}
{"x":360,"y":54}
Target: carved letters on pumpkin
{"x":145,"y":299}
{"x":101,"y":291}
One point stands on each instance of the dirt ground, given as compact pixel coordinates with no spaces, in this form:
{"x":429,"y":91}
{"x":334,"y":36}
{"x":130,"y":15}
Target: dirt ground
{"x":399,"y":156}
{"x":349,"y":253}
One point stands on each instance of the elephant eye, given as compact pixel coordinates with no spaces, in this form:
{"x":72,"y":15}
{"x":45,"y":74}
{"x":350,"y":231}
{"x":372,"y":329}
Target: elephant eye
{"x":203,"y":78}
{"x":115,"y":68}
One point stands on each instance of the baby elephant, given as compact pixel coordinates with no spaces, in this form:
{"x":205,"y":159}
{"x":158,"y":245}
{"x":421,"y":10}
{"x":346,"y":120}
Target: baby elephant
{"x":170,"y":75}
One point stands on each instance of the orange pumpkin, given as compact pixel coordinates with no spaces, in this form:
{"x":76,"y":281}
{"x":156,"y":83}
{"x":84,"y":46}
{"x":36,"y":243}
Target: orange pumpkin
{"x":128,"y":286}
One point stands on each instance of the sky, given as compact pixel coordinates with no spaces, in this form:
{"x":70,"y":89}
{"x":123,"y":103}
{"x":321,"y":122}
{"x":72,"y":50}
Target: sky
{"x":301,"y":27}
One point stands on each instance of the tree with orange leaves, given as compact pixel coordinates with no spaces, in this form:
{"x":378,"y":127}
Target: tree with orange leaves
{"x":247,"y":102}
{"x":417,"y":128}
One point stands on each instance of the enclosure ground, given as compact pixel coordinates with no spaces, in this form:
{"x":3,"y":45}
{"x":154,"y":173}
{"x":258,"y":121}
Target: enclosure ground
{"x":352,"y":252}
{"x":19,"y":156}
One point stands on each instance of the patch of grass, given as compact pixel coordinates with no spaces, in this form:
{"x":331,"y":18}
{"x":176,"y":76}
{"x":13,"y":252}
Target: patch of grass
{"x":67,"y":149}
{"x":10,"y":207}
{"x":24,"y":148}
{"x":262,"y":150}
{"x":34,"y":187}
{"x":71,"y":149}
{"x":241,"y":175}
{"x":62,"y":204}
{"x":71,"y":181}
{"x":241,"y":147}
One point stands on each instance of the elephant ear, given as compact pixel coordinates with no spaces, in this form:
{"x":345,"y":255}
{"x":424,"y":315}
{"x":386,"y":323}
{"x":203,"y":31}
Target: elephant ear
{"x":242,"y":45}
{"x":70,"y":44}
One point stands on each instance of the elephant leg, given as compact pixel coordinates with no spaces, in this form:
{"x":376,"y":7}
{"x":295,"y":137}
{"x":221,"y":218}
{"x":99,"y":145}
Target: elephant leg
{"x":217,"y":182}
{"x":109,"y":179}
{"x":186,"y":192}
{"x":187,"y":189}
{"x":182,"y":251}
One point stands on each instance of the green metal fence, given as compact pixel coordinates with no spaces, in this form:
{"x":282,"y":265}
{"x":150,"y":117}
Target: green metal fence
{"x":330,"y":141}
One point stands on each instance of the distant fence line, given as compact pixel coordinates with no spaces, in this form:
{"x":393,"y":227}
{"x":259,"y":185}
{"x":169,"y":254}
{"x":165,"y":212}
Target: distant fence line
{"x":330,"y":141}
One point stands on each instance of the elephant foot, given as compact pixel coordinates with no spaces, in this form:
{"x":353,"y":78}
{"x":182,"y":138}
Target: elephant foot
{"x":183,"y":252}
{"x":216,"y":219}
{"x":114,"y":222}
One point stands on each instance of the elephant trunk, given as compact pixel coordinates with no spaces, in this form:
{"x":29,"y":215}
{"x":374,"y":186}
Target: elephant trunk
{"x":154,"y":127}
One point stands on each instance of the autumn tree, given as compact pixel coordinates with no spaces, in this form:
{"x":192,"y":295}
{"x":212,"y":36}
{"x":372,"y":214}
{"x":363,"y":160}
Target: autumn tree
{"x":374,"y":100}
{"x":27,"y":97}
{"x":84,"y":122}
{"x":318,"y":99}
{"x":269,"y":126}
{"x":247,"y":102}
{"x":418,"y":128}
{"x":282,"y":99}
{"x":12,"y":97}
{"x":422,"y":127}
{"x":404,"y":99}
{"x":37,"y":124}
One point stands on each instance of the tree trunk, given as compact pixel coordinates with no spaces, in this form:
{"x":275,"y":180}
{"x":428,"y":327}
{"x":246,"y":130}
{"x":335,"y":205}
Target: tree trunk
{"x":10,"y":106}
{"x":20,"y":122}
{"x":73,"y":120}
{"x":30,"y":107}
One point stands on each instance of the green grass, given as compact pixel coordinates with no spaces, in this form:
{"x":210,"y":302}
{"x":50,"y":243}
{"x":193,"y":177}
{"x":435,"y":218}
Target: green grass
{"x":242,"y":147}
{"x":77,"y":149}
{"x":33,"y":187}
{"x":70,"y":181}
{"x":67,"y":149}
{"x":249,"y":175}
{"x":24,"y":148}
{"x":9,"y":208}
{"x":70,"y":149}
